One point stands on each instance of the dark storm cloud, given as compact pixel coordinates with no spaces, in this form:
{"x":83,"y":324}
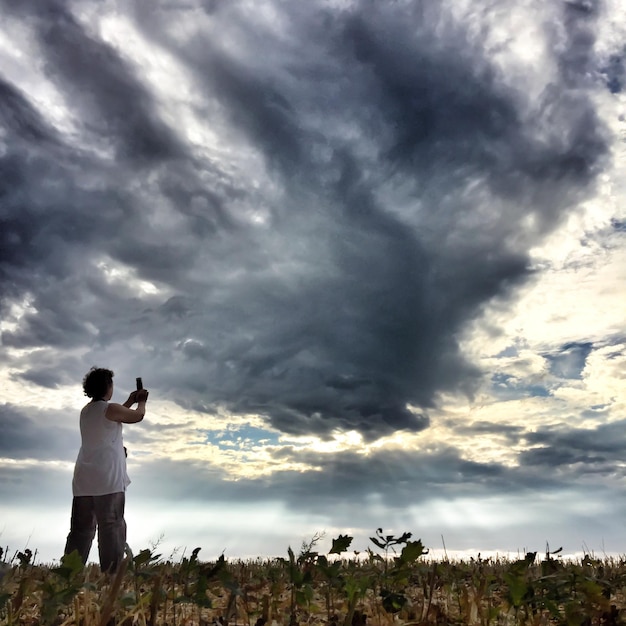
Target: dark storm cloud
{"x":614,"y":72}
{"x":34,"y":485}
{"x":618,"y":225}
{"x":21,"y":118}
{"x":344,"y":480}
{"x":51,"y":214}
{"x":99,"y":84}
{"x":512,"y":433}
{"x":45,"y":435}
{"x":385,"y":180}
{"x":49,"y":370}
{"x":578,"y":451}
{"x":396,"y":476}
{"x":23,"y":127}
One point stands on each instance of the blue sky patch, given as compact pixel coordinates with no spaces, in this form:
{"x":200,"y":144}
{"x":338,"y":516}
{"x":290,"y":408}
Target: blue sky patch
{"x":570,"y":361}
{"x":241,"y":437}
{"x":510,"y":387}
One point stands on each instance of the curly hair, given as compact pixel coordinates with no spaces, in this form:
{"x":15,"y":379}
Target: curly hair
{"x":96,"y":382}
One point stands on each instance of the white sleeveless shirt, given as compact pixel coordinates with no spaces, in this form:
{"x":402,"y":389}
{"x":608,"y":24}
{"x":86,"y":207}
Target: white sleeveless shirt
{"x":101,"y":464}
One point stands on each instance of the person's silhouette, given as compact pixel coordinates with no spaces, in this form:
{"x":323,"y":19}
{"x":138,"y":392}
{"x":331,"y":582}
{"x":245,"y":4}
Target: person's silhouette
{"x":100,"y":478}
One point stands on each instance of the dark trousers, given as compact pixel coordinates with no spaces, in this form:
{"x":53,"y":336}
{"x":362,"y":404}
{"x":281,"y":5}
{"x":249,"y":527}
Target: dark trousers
{"x":107,"y":513}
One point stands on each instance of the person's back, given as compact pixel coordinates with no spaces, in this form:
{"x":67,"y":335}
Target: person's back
{"x":100,"y":478}
{"x":101,"y":463}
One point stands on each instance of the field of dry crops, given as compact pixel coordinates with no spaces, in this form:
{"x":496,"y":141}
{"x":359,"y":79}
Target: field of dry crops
{"x":391,"y":584}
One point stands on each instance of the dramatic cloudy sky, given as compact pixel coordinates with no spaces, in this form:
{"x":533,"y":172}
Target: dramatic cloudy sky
{"x":369,"y":258}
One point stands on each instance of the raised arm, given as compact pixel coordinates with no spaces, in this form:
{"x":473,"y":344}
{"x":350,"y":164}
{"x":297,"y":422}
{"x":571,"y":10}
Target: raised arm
{"x":123,"y":413}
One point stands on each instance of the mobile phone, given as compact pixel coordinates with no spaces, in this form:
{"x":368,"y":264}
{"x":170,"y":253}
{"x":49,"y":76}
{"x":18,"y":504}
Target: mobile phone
{"x":139,"y":383}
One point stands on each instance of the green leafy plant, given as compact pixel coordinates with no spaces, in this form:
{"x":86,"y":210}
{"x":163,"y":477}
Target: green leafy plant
{"x":387,"y":584}
{"x":396,"y":572}
{"x":61,"y":586}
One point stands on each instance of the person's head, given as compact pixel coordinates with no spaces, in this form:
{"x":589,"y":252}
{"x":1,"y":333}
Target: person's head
{"x":97,"y":383}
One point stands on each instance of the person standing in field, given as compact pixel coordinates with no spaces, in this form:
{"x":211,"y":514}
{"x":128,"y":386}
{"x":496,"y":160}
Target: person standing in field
{"x":100,"y":478}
